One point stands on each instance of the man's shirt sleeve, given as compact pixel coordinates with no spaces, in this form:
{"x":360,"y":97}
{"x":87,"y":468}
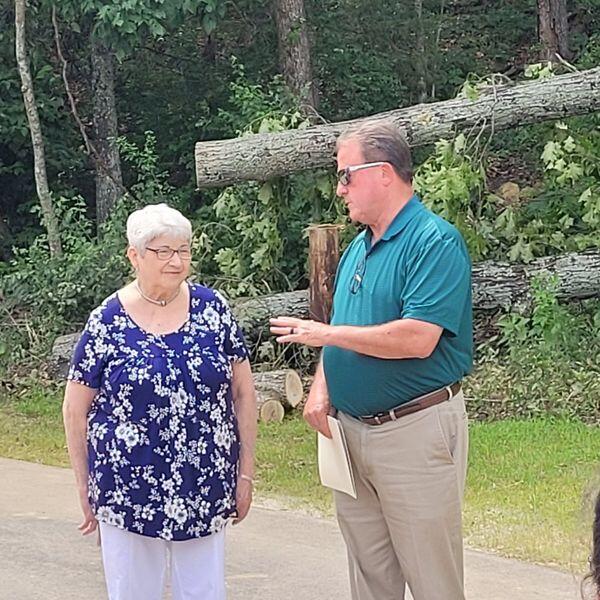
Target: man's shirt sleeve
{"x":437,"y":286}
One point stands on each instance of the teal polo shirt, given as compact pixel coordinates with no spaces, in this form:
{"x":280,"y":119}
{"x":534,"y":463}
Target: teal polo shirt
{"x":419,"y":269}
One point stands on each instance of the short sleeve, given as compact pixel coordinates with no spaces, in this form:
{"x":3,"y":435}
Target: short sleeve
{"x":233,"y":341}
{"x":89,"y":355}
{"x":438,"y":285}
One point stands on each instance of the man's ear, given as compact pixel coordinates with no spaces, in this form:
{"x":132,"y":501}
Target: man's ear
{"x":388,"y":174}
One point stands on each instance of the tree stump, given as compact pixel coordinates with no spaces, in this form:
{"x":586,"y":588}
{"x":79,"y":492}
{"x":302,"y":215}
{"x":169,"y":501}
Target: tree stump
{"x":323,"y":257}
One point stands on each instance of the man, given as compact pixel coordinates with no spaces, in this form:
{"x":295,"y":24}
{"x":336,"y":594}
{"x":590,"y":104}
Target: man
{"x":399,"y":343}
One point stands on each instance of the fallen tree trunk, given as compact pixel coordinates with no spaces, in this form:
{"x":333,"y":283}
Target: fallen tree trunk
{"x":267,"y":155}
{"x":496,"y":285}
{"x":508,"y":285}
{"x":253,"y":314}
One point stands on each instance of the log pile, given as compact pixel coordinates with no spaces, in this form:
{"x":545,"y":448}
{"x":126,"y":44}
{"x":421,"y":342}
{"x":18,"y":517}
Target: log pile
{"x":276,"y":391}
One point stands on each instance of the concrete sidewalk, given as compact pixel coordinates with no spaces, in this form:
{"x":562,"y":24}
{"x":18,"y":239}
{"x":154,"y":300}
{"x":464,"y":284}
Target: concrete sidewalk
{"x":273,"y":555}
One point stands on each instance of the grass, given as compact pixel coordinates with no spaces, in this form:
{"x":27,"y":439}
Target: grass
{"x":526,"y":493}
{"x":529,"y":487}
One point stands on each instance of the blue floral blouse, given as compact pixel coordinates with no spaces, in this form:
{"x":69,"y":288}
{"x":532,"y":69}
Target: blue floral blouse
{"x":163,"y":442}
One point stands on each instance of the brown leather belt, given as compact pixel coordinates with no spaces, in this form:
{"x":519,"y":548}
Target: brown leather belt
{"x":413,"y":406}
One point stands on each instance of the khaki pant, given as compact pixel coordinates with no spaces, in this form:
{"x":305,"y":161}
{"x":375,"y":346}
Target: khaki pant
{"x":405,"y":525}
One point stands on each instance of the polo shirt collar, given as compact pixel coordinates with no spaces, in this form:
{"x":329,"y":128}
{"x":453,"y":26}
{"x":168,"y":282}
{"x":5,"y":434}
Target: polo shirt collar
{"x":401,"y":220}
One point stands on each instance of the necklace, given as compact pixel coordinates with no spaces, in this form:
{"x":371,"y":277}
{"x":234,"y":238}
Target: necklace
{"x":152,"y":300}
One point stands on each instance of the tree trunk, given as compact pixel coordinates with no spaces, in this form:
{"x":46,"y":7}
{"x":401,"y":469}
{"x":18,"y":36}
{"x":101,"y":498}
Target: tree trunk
{"x":39,"y":160}
{"x":294,"y":52}
{"x":267,"y":155}
{"x":109,"y":183}
{"x":253,"y":314}
{"x":420,"y":58}
{"x":5,"y":236}
{"x":323,"y":257}
{"x":553,"y":29}
{"x":271,"y":410}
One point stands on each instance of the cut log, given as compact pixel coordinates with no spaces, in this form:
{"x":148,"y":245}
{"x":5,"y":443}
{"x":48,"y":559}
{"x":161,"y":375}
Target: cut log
{"x":271,"y":410}
{"x":62,"y":352}
{"x":286,"y":383}
{"x":267,"y":155}
{"x":267,"y":395}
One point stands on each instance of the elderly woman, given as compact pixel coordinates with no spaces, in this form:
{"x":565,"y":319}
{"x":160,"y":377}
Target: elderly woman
{"x":160,"y":418}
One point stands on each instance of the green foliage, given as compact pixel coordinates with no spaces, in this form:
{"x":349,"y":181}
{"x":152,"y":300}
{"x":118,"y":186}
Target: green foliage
{"x":546,"y":362}
{"x":564,"y":214}
{"x":123,"y":25}
{"x":252,"y":235}
{"x":539,"y":71}
{"x":560,"y":214}
{"x":49,"y":293}
{"x":44,"y":296}
{"x":451,"y":184}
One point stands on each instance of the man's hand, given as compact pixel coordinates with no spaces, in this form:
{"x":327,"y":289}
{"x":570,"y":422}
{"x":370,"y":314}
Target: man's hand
{"x":299,"y":331}
{"x":317,"y":405}
{"x":315,"y":414}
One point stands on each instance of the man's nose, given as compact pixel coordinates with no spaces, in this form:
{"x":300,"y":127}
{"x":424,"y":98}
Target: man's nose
{"x":341,"y":189}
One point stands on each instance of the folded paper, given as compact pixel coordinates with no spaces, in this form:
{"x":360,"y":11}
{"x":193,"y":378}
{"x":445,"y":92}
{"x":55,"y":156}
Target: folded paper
{"x":335,"y":469}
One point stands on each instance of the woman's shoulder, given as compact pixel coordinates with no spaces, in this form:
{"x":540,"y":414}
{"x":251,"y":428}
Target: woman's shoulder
{"x":203,"y":292}
{"x":107,"y":309}
{"x":203,"y":295}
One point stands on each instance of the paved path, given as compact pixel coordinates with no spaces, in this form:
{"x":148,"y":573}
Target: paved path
{"x":273,"y":555}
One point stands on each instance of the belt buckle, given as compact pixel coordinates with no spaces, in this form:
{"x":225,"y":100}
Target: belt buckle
{"x":377,"y":419}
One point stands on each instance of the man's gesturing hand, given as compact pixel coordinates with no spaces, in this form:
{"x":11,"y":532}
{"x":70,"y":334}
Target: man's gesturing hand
{"x":299,"y":331}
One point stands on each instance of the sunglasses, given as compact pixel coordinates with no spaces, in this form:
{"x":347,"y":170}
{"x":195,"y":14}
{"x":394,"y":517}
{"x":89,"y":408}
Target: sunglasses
{"x":359,"y":273}
{"x":343,"y":175}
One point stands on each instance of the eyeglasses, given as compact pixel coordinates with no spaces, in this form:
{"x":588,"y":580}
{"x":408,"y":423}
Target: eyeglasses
{"x":359,"y":273}
{"x":343,"y":175}
{"x":167,"y":253}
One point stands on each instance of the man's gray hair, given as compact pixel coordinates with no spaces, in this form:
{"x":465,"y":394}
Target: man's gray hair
{"x":154,"y":220}
{"x":381,"y":141}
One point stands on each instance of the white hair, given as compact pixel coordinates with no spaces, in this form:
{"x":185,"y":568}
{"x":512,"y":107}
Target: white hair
{"x":154,"y":220}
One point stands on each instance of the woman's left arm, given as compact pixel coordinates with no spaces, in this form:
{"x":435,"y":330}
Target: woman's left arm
{"x":244,"y":399}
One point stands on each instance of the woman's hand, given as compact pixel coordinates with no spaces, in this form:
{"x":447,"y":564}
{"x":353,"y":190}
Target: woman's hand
{"x":243,"y":499}
{"x":76,"y":406}
{"x":89,"y":523}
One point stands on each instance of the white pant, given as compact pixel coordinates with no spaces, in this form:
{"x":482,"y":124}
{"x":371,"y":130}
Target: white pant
{"x":135,"y":566}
